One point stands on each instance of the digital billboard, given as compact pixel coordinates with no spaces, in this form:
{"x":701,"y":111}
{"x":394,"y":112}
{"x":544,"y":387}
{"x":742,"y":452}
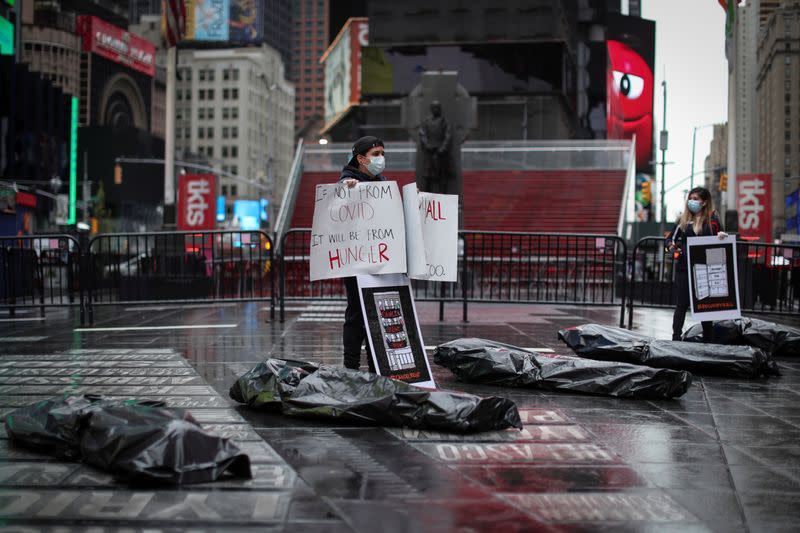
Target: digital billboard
{"x":247,"y":214}
{"x":246,"y":21}
{"x":237,"y":21}
{"x":342,"y":63}
{"x":629,"y":84}
{"x":6,"y":37}
{"x":207,"y":20}
{"x":114,"y":43}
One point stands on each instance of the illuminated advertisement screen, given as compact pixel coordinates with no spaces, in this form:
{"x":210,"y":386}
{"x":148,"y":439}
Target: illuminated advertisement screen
{"x":247,"y":213}
{"x":207,"y":20}
{"x":6,"y":37}
{"x":246,"y":21}
{"x":629,"y":84}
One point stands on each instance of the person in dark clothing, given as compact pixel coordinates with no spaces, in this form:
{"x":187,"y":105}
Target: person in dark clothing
{"x":697,"y":220}
{"x":366,"y":164}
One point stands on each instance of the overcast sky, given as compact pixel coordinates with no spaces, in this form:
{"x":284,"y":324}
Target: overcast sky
{"x":690,"y":46}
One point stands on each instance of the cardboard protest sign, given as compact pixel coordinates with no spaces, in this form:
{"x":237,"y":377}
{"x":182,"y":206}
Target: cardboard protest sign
{"x":713,"y":278}
{"x":358,"y":230}
{"x":393,"y":332}
{"x":431,"y":234}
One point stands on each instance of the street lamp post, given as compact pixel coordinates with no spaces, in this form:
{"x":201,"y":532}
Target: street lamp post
{"x":694,"y":142}
{"x":663,"y":146}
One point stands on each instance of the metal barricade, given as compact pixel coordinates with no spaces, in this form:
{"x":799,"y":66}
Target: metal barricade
{"x":553,"y":268}
{"x":769,"y":277}
{"x":502,"y":267}
{"x":41,"y":271}
{"x":180,"y":267}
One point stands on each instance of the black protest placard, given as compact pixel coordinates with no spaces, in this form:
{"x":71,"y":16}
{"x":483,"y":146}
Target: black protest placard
{"x":393,"y":332}
{"x":713,"y":278}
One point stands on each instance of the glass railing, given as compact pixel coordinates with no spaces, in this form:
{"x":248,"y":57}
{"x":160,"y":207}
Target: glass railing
{"x":490,"y":155}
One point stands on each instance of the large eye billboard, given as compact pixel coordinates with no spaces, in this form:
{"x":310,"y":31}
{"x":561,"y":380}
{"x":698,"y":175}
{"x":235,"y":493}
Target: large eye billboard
{"x":630,"y":47}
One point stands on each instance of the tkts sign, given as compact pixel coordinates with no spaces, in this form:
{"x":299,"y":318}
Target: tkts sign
{"x":196,"y":204}
{"x":754,"y":204}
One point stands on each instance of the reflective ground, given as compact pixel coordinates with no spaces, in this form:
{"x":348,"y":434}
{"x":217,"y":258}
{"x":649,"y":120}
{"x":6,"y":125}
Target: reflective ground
{"x":725,"y":457}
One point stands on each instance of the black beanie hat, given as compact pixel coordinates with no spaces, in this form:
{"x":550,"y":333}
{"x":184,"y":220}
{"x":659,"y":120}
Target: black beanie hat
{"x":362,"y":146}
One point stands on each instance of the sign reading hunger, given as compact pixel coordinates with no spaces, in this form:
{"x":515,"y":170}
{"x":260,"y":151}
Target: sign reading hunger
{"x":357,"y":230}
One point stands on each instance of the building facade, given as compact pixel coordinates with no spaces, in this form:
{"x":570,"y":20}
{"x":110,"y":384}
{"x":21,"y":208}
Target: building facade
{"x":746,"y":73}
{"x":235,"y":108}
{"x":309,"y":41}
{"x":716,"y":161}
{"x":779,"y":104}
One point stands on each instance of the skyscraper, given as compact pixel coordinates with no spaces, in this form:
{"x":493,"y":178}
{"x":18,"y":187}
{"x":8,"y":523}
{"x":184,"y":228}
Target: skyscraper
{"x":779,"y":104}
{"x":309,"y":41}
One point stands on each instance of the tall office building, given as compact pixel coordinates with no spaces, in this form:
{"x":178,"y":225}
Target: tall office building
{"x":746,"y":73}
{"x":309,"y":41}
{"x":235,"y":107}
{"x":779,"y":104}
{"x":716,"y":161}
{"x":278,"y":27}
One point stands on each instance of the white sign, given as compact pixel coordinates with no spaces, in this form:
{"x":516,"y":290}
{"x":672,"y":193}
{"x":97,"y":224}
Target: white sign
{"x":393,"y":332}
{"x":713,"y":278}
{"x":358,"y":230}
{"x":431,"y":234}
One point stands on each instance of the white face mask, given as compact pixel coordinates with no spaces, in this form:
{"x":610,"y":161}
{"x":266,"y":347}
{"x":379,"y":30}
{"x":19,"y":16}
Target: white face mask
{"x":376,"y":164}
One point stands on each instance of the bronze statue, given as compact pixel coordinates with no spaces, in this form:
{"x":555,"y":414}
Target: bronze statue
{"x":434,"y":139}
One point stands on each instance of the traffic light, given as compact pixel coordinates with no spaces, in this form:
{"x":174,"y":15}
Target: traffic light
{"x":723,"y":182}
{"x":117,"y":174}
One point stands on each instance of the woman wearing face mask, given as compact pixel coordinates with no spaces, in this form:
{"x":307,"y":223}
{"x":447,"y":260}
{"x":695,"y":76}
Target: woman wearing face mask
{"x":366,"y":164}
{"x":697,"y":220}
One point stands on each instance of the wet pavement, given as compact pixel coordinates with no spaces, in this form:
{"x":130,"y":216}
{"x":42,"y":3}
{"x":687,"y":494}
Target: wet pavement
{"x":724,"y":457}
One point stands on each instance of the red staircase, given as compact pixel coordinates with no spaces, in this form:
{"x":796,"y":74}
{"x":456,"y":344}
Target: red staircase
{"x":537,"y":201}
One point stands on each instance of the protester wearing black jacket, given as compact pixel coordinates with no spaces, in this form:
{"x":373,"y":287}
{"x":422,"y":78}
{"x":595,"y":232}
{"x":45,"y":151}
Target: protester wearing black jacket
{"x":698,"y":220}
{"x":366,"y":164}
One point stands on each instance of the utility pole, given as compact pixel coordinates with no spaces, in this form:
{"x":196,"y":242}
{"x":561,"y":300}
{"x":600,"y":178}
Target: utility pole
{"x":169,"y":139}
{"x":663,"y":147}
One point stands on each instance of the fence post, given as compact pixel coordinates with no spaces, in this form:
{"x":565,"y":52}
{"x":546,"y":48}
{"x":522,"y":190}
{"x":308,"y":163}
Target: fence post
{"x":464,"y":303}
{"x":624,"y":282}
{"x":282,"y":279}
{"x":633,"y":285}
{"x":441,"y":301}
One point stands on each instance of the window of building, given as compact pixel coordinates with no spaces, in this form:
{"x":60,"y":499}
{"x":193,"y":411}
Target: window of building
{"x":235,"y":73}
{"x":234,"y":132}
{"x":787,"y":149}
{"x":201,"y":75}
{"x":211,"y":94}
{"x":225,"y":132}
{"x":234,"y":151}
{"x":224,"y":149}
{"x":787,"y":135}
{"x":233,"y":189}
{"x":201,"y":113}
{"x":210,"y":151}
{"x":210,"y":133}
{"x":210,"y":113}
{"x":224,"y":190}
{"x":225,"y":113}
{"x":201,"y":133}
{"x":234,"y":112}
{"x":234,"y":94}
{"x":226,"y":94}
{"x":178,"y":114}
{"x":787,"y":60}
{"x":201,"y":94}
{"x":179,"y":94}
{"x":234,"y":170}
